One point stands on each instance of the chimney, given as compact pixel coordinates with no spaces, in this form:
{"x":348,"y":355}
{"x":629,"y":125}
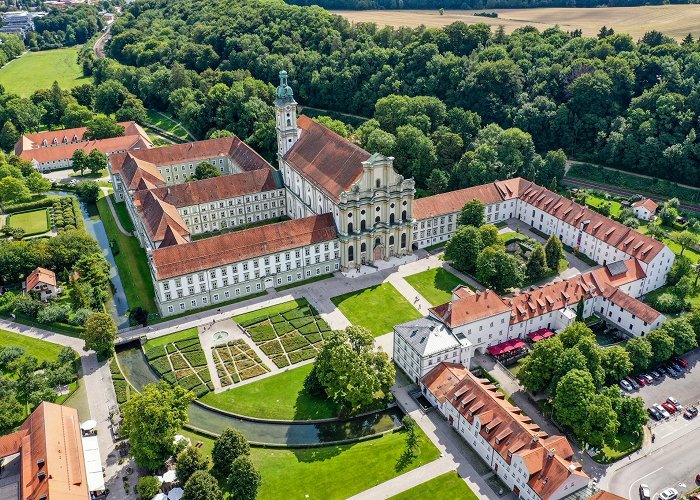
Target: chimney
{"x":550,"y":453}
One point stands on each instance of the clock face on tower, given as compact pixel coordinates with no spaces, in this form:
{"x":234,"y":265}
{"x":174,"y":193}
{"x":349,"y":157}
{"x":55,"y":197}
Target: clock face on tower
{"x":288,"y":108}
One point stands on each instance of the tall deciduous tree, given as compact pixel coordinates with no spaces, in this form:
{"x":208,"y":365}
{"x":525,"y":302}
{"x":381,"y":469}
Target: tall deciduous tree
{"x":8,"y":135}
{"x":572,"y":334}
{"x":573,"y":395}
{"x":640,"y":353}
{"x":202,"y":486}
{"x":499,"y":270}
{"x":661,"y":346}
{"x":151,"y":419}
{"x":554,"y":251}
{"x":103,"y":127}
{"x":230,"y":445}
{"x":100,"y":333}
{"x":682,"y":333}
{"x":12,"y":190}
{"x":206,"y":170}
{"x":537,"y":368}
{"x":189,"y":461}
{"x":472,"y":214}
{"x":437,"y":181}
{"x":79,"y":161}
{"x":464,"y":247}
{"x":616,"y":363}
{"x":96,"y":161}
{"x":686,"y":239}
{"x":244,"y":480}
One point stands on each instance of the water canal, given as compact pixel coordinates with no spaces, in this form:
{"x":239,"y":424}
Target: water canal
{"x":136,"y":370}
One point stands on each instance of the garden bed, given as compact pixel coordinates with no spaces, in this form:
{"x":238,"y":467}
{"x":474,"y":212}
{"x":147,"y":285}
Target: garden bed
{"x":236,"y":361}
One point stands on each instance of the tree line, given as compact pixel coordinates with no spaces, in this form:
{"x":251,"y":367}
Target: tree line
{"x":74,"y":26}
{"x":472,"y":4}
{"x":606,"y":99}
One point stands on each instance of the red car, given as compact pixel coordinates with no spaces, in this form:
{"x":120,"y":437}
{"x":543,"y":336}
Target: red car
{"x":669,"y":407}
{"x":680,"y":361}
{"x":641,"y":380}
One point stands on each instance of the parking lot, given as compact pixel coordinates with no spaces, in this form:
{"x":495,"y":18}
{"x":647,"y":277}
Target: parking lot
{"x":685,"y":389}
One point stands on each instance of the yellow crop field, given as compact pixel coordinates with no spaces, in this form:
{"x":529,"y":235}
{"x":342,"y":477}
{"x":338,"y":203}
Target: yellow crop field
{"x":674,"y":20}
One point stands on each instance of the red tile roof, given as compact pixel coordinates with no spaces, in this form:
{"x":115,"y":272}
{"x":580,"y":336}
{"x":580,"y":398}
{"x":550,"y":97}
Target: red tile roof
{"x":214,"y":189}
{"x":506,"y":428}
{"x":441,"y":381}
{"x":52,"y":434}
{"x":107,"y":146}
{"x":647,"y":203}
{"x":65,"y":136}
{"x":137,"y":173}
{"x":241,"y":245}
{"x":40,"y":275}
{"x":632,"y":305}
{"x":470,"y":307}
{"x":453,"y":201}
{"x":326,"y":159}
{"x":159,"y":216}
{"x":605,"y":495}
{"x":241,"y":154}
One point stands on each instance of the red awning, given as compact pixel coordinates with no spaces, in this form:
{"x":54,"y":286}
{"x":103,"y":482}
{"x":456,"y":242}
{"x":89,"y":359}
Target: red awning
{"x":505,"y":347}
{"x":541,"y":334}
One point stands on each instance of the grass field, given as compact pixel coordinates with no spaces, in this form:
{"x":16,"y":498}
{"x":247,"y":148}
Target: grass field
{"x":38,"y":70}
{"x":674,"y":20}
{"x":123,"y":215}
{"x":131,"y":262}
{"x":330,"y":471}
{"x":270,"y":311}
{"x":161,"y":120}
{"x":190,"y":333}
{"x":34,"y":222}
{"x":377,"y":308}
{"x":596,"y":201}
{"x":448,"y":485}
{"x":280,"y":397}
{"x":40,"y":349}
{"x":435,"y":285}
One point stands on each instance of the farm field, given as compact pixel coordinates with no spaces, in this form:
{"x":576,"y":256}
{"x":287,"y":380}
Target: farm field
{"x":673,"y":20}
{"x":38,"y":70}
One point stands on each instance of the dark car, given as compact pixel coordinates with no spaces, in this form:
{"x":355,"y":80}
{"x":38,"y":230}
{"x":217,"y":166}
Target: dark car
{"x":672,"y":372}
{"x":632,"y":382}
{"x":680,"y":361}
{"x":690,"y":412}
{"x":663,"y":370}
{"x":677,"y":367}
{"x":656,"y":375}
{"x":654,"y":414}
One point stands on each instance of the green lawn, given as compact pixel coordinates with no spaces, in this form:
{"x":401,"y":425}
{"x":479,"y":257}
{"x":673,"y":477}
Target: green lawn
{"x":377,"y":308}
{"x":41,"y":349}
{"x":34,"y":222}
{"x":271,"y":311}
{"x":281,"y":396}
{"x":596,"y":201}
{"x":38,"y":70}
{"x":190,"y":333}
{"x":131,"y":262}
{"x":448,"y":485}
{"x":162,"y":120}
{"x":435,"y":285}
{"x":123,"y":214}
{"x":623,"y":446}
{"x":330,"y":472}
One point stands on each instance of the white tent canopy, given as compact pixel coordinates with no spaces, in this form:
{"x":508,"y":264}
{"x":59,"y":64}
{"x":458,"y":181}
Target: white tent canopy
{"x":169,"y":476}
{"x":175,"y":494}
{"x":88,"y":425}
{"x":93,"y":464}
{"x":160,"y":496}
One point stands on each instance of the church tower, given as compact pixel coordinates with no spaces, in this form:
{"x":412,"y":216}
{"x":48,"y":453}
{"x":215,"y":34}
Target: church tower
{"x":286,"y":116}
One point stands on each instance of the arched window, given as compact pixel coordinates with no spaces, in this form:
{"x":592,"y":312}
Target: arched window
{"x":377,"y":242}
{"x":403,"y":240}
{"x":391,"y":218}
{"x":289,"y":122}
{"x":378,"y":183}
{"x":403,"y":216}
{"x":351,"y":253}
{"x":350,"y":229}
{"x":363,"y":248}
{"x":363,"y":225}
{"x":391,"y":240}
{"x":376,"y":219}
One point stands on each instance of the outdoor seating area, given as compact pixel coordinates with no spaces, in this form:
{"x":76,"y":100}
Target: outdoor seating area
{"x":509,"y":351}
{"x":541,"y":334}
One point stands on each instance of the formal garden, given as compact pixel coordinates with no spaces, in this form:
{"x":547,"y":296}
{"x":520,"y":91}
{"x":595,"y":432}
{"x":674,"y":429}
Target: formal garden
{"x":179,"y":359}
{"x":287,"y":333}
{"x":31,"y":223}
{"x":376,"y":308}
{"x":236,"y":361}
{"x":435,"y":285}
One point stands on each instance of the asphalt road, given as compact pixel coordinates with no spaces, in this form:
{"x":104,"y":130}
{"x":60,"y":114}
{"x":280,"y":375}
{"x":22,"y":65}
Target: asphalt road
{"x":675,"y":464}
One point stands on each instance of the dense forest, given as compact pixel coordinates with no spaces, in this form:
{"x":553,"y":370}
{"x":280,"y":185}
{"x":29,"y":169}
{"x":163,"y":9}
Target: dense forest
{"x":471,"y":103}
{"x":474,"y":4}
{"x":73,"y":26}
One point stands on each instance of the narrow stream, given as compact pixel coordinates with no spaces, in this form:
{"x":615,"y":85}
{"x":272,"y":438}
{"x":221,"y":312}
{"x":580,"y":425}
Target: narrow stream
{"x":138,"y":373}
{"x":117,"y":305}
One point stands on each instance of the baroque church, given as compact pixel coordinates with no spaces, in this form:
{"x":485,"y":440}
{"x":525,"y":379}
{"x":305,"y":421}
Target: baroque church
{"x":372,"y":204}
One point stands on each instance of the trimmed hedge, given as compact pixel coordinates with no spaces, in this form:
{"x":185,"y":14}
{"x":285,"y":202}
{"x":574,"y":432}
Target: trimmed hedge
{"x":301,"y":322}
{"x":252,"y":321}
{"x":170,"y":348}
{"x":314,"y":337}
{"x":184,"y":344}
{"x":189,"y":382}
{"x":294,"y":342}
{"x":178,"y":361}
{"x":277,"y":318}
{"x":185,"y":372}
{"x":283,"y":328}
{"x":200,"y":390}
{"x":271,"y":348}
{"x":253,"y":371}
{"x":32,"y":205}
{"x":293,"y":314}
{"x":280,"y":361}
{"x":155,"y":352}
{"x":262,"y":332}
{"x":196,"y":358}
{"x":170,"y":378}
{"x":302,"y":355}
{"x":120,"y":388}
{"x":204,"y":374}
{"x":322,"y":325}
{"x":161,"y":365}
{"x":308,"y":329}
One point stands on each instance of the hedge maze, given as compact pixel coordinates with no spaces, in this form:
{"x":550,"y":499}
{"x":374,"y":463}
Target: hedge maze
{"x":181,"y":362}
{"x":287,"y":337}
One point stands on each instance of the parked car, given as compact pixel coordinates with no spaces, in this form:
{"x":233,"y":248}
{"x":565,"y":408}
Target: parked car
{"x":663,"y":370}
{"x":672,"y":372}
{"x":656,"y":375}
{"x":653,"y":413}
{"x":632,"y":382}
{"x":680,"y":361}
{"x":690,"y":412}
{"x":661,"y":410}
{"x":675,"y":403}
{"x":625,"y":385}
{"x":668,"y":494}
{"x":678,"y":367}
{"x":644,"y":492}
{"x":648,"y":378}
{"x":640,"y":380}
{"x":669,"y":407}
{"x":697,"y":478}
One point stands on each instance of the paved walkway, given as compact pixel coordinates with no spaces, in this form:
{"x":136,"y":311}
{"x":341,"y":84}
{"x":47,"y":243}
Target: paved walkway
{"x":115,"y":216}
{"x":100,"y":396}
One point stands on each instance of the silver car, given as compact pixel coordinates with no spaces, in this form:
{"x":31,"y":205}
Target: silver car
{"x":668,"y":494}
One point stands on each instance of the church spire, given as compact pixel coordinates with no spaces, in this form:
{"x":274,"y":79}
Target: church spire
{"x":285,"y":94}
{"x":286,"y":116}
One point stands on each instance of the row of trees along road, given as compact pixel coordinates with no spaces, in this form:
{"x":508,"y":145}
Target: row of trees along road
{"x":606,"y":99}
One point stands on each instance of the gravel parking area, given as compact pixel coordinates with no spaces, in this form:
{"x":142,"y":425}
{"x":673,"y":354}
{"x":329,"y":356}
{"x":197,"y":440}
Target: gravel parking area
{"x":685,"y":389}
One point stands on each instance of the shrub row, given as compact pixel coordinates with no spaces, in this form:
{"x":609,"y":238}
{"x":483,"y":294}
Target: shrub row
{"x":161,"y":365}
{"x":294,"y":342}
{"x":155,"y":352}
{"x":280,"y":361}
{"x":302,"y":355}
{"x":196,"y":358}
{"x":310,"y":328}
{"x":178,"y":361}
{"x":271,"y":348}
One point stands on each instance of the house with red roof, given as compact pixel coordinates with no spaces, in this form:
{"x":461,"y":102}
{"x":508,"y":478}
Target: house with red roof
{"x":645,"y":209}
{"x":42,"y":282}
{"x":531,"y":463}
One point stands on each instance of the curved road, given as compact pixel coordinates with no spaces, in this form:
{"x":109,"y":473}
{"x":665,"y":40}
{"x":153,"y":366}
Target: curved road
{"x":572,"y":181}
{"x":99,"y":47}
